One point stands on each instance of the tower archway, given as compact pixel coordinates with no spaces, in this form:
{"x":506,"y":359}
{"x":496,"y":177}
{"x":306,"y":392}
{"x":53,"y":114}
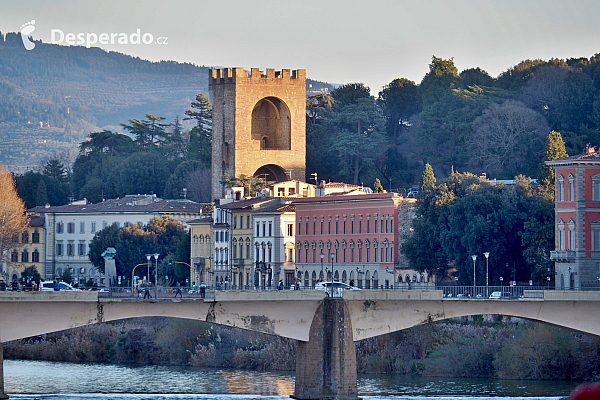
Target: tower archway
{"x":271,"y":124}
{"x":272,"y":173}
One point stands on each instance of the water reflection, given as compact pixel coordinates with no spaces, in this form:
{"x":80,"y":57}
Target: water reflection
{"x":67,"y":381}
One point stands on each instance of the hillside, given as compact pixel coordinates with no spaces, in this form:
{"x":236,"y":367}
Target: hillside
{"x":52,"y":97}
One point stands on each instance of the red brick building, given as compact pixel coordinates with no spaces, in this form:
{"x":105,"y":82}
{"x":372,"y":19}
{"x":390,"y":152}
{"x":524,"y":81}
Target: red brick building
{"x":354,"y":239}
{"x":577,"y":220}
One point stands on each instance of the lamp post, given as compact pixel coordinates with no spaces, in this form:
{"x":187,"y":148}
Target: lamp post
{"x":148,"y":257}
{"x":501,"y":279}
{"x":474,"y":257}
{"x":487,"y":273}
{"x":332,"y":270}
{"x":322,"y":256}
{"x":156,"y":275}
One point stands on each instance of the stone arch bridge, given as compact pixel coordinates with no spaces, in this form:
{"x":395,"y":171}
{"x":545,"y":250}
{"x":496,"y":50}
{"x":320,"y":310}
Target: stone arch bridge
{"x":326,"y":327}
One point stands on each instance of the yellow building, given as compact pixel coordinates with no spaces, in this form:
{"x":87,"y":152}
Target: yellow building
{"x":27,"y":251}
{"x":200,"y":250}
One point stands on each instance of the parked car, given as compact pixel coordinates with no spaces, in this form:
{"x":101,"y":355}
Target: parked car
{"x":48,"y":286}
{"x":336,"y":288}
{"x":501,"y":295}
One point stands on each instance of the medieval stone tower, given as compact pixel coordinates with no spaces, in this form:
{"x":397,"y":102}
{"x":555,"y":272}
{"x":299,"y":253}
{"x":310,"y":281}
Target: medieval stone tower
{"x":259,"y":124}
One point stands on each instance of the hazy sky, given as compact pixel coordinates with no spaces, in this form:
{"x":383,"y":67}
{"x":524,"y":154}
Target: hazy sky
{"x":338,"y":41}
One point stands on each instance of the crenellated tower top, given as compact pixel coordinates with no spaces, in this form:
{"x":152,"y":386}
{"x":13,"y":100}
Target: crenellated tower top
{"x":232,"y":75}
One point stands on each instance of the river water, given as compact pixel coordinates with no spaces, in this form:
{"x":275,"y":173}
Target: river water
{"x":28,"y":380}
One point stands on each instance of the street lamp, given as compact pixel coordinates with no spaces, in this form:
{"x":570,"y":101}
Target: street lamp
{"x":501,"y":279}
{"x":487,"y":273}
{"x":474,"y":257}
{"x":322,"y":256}
{"x":332,"y":270}
{"x":156,"y":275}
{"x":148,"y":257}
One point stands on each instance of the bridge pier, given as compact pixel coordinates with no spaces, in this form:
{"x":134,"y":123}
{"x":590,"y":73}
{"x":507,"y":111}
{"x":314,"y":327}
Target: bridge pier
{"x":326,"y":364}
{"x":2,"y":394}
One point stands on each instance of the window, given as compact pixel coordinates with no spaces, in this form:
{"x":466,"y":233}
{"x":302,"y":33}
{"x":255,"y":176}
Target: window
{"x":343,"y":251}
{"x":35,"y":237}
{"x":59,"y":249}
{"x":329,"y":224}
{"x":337,"y":220}
{"x":368,"y":223}
{"x":352,"y":224}
{"x":82,"y":227}
{"x":314,"y":225}
{"x":375,"y":220}
{"x":264,"y":229}
{"x":81,"y":249}
{"x":60,"y":227}
{"x":306,"y":225}
{"x":14,"y":256}
{"x":290,"y":229}
{"x":561,"y":235}
{"x":560,"y":188}
{"x":257,"y":229}
{"x":93,"y":227}
{"x":360,"y":223}
{"x":104,"y":224}
{"x":596,"y":188}
{"x":344,"y":225}
{"x":571,"y":187}
{"x":25,"y":237}
{"x":70,"y":249}
{"x":270,"y":228}
{"x":321,"y":223}
{"x":234,"y":223}
{"x":596,"y":238}
{"x":71,"y":227}
{"x":25,"y":256}
{"x":571,"y":238}
{"x":299,"y":226}
{"x":247,"y":248}
{"x":35,"y":256}
{"x":247,"y":221}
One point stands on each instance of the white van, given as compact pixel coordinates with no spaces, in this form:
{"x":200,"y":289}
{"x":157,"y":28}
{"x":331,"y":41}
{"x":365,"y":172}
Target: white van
{"x":48,"y":286}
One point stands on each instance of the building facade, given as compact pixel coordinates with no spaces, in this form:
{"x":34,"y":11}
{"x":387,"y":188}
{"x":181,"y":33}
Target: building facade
{"x":577,"y":220}
{"x":353,"y":239}
{"x":27,"y":251}
{"x":69,"y":229}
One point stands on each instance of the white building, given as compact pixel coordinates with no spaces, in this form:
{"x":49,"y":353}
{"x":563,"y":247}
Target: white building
{"x":69,"y":229}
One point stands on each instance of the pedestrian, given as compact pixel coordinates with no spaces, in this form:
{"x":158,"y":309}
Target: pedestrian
{"x":202,"y":289}
{"x":178,"y":292}
{"x":56,"y":286}
{"x":147,"y":292}
{"x":280,"y":285}
{"x":2,"y":285}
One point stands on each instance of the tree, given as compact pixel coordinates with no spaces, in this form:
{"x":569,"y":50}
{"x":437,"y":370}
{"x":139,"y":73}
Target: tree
{"x":200,"y":143}
{"x":467,"y":215}
{"x":351,"y":93}
{"x":442,"y":76}
{"x":377,"y":188}
{"x":13,"y":220}
{"x":399,"y":101}
{"x":31,"y":272}
{"x":554,"y":149}
{"x":427,"y":178}
{"x":55,"y":169}
{"x":147,"y":132}
{"x":507,"y":140}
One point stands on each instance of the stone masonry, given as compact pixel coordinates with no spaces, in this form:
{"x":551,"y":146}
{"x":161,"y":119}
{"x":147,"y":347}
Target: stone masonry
{"x":326,"y":364}
{"x":259,"y":124}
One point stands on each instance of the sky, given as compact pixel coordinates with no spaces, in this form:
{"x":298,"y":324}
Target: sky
{"x":336,"y":41}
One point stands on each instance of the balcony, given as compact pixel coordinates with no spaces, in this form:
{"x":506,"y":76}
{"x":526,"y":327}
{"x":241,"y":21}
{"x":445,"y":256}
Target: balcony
{"x":238,"y":262}
{"x":562,"y":256}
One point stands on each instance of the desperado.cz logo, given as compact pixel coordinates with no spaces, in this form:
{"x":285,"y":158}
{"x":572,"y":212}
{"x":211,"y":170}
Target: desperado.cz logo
{"x":89,"y":39}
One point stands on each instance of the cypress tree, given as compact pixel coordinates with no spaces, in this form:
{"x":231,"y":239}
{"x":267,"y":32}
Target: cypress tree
{"x":555,"y":149}
{"x":428,"y":177}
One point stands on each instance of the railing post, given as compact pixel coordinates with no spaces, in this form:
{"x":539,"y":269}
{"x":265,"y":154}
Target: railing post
{"x":3,"y":395}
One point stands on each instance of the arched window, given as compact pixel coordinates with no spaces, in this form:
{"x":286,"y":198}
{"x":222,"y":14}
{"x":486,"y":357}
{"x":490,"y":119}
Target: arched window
{"x":351,"y":251}
{"x":314,"y":251}
{"x":560,"y":187}
{"x":344,"y":251}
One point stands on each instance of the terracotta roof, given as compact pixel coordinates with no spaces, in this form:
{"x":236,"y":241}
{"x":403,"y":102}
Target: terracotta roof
{"x":130,"y":203}
{"x":237,"y":205}
{"x":591,"y":156}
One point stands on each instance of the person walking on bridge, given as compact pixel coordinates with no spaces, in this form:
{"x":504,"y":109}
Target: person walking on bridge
{"x":178,"y":292}
{"x":147,"y":292}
